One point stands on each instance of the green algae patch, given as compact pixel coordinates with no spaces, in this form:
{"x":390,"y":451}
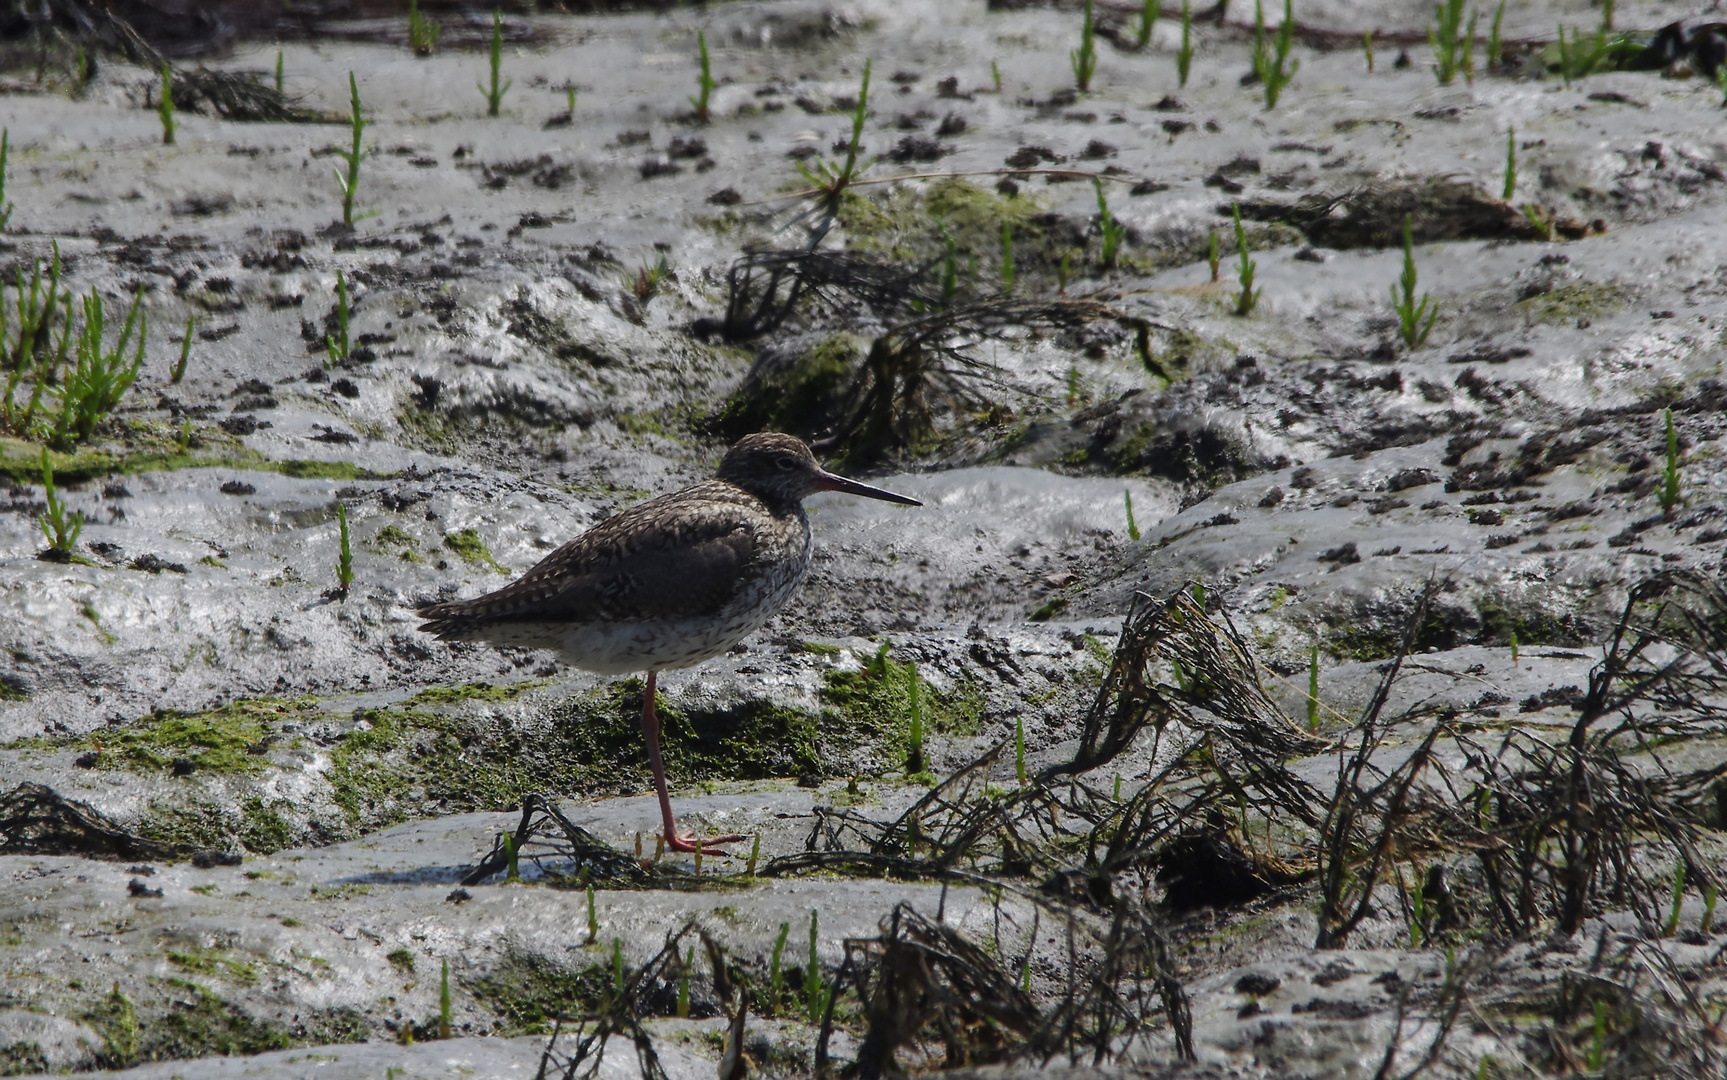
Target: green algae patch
{"x":191,"y":1023}
{"x":803,"y":396}
{"x":405,"y":763}
{"x":467,"y":546}
{"x":225,"y":740}
{"x":475,"y":691}
{"x":528,"y":993}
{"x":216,"y":963}
{"x":1578,"y":300}
{"x":874,"y":703}
{"x":21,"y":463}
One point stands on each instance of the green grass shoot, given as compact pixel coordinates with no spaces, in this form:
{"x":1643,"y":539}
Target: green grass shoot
{"x":1084,"y":59}
{"x":60,"y":528}
{"x":1510,"y":164}
{"x":5,"y":207}
{"x":831,"y":178}
{"x":1313,"y":689}
{"x":593,"y":917}
{"x":1414,"y":320}
{"x":1184,"y":55}
{"x":179,"y":371}
{"x":914,"y":759}
{"x":444,"y":1002}
{"x":1678,"y":901}
{"x":776,"y":976}
{"x":1111,"y":233}
{"x":98,"y":378}
{"x":165,"y":106}
{"x":995,"y":73}
{"x":815,"y":993}
{"x":1007,"y":267}
{"x":1117,"y":795}
{"x":338,"y":346}
{"x":1019,"y":750}
{"x":422,"y":32}
{"x":1495,"y":41}
{"x":350,"y":183}
{"x":1212,"y":258}
{"x":1147,"y":19}
{"x":1514,"y":646}
{"x":684,"y":982}
{"x":570,"y":101}
{"x":704,"y":80}
{"x":618,"y":965}
{"x":514,"y":872}
{"x":1444,"y":36}
{"x":495,"y":96}
{"x":1367,"y":48}
{"x":1132,"y":529}
{"x":278,"y":71}
{"x":1668,"y":495}
{"x":1598,"y":1045}
{"x":1248,"y":297}
{"x":1273,"y":66}
{"x":345,"y":578}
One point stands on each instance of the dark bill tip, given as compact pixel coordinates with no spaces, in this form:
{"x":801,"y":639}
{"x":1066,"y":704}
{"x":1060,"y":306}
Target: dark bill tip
{"x":830,"y":482}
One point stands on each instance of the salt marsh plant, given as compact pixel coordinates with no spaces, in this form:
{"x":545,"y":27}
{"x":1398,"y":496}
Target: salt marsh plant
{"x":1414,"y":320}
{"x":1147,"y":18}
{"x":99,"y":377}
{"x":914,"y":759}
{"x":5,"y":207}
{"x":444,"y":1002}
{"x":345,"y":578}
{"x":495,"y":95}
{"x":1110,"y":232}
{"x":60,"y":528}
{"x":593,"y":915}
{"x":1720,"y":84}
{"x":1273,"y":65}
{"x":1496,"y":42}
{"x":1367,"y":48}
{"x":29,"y":346}
{"x":1019,"y":750}
{"x":815,"y":992}
{"x":1313,"y":689}
{"x":776,"y":977}
{"x":278,"y":71}
{"x":165,"y":106}
{"x":1184,"y":55}
{"x":354,"y":155}
{"x":338,"y":346}
{"x":1132,"y":528}
{"x":1084,"y":59}
{"x":1212,"y":258}
{"x":1450,"y":43}
{"x":1668,"y":495}
{"x":832,"y":178}
{"x":1578,"y":58}
{"x":1510,"y":164}
{"x":179,"y":371}
{"x":1248,"y":297}
{"x":422,"y":32}
{"x":704,"y":81}
{"x":1672,"y":925}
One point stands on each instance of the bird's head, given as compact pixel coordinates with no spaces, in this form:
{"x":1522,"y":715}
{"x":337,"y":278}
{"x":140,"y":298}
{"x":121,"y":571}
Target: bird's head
{"x":779,"y":470}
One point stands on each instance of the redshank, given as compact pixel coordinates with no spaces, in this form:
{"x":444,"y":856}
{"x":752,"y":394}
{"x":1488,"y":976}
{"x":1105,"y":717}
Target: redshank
{"x":668,"y":583}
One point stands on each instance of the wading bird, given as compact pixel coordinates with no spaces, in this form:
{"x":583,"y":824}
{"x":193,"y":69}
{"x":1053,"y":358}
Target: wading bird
{"x":668,"y":583}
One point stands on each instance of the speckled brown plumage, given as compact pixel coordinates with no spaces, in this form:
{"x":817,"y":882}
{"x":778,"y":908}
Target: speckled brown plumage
{"x":669,"y":583}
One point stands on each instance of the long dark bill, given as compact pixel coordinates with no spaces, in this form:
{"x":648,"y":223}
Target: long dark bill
{"x":830,"y":482}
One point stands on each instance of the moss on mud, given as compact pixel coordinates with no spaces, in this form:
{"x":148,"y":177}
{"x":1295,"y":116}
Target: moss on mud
{"x":874,"y":704}
{"x":528,"y":993}
{"x":803,"y":396}
{"x":1578,"y":300}
{"x":191,"y":1023}
{"x":230,"y":739}
{"x":468,"y":547}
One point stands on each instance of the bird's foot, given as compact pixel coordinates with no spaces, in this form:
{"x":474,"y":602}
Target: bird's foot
{"x":707,"y":845}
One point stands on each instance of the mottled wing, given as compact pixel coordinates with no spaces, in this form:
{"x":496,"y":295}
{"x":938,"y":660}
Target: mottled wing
{"x":681,"y":556}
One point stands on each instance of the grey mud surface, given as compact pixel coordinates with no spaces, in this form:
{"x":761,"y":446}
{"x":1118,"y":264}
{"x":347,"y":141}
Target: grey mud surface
{"x":1312,"y":473}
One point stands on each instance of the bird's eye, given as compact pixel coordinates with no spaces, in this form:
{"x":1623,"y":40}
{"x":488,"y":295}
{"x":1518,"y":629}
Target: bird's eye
{"x":785,"y":464}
